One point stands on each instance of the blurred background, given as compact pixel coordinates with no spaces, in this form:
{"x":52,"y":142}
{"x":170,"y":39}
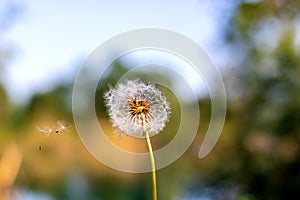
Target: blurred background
{"x":255,"y":45}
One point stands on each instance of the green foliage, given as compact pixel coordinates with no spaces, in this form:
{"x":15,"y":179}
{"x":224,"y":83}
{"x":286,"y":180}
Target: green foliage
{"x":267,"y":148}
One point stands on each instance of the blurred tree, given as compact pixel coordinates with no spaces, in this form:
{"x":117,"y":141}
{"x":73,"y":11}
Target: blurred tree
{"x":266,"y":115}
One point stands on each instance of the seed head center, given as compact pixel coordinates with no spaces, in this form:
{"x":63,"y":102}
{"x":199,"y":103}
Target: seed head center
{"x":138,"y":107}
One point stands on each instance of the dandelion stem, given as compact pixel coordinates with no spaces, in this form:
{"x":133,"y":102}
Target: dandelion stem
{"x":154,"y":191}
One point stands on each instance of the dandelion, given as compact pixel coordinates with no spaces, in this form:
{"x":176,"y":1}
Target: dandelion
{"x":134,"y":105}
{"x":138,"y":110}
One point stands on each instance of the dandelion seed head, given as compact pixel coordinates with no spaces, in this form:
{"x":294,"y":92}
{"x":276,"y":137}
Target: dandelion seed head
{"x":134,"y":105}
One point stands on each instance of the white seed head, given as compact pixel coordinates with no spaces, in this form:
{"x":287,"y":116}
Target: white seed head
{"x":134,"y":106}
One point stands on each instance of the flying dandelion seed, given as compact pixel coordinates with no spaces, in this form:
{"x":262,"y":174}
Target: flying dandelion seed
{"x":61,"y":127}
{"x":46,"y":130}
{"x":133,"y":105}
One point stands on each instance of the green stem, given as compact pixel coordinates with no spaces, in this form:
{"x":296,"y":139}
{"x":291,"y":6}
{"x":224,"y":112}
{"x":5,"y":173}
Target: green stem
{"x":152,"y":164}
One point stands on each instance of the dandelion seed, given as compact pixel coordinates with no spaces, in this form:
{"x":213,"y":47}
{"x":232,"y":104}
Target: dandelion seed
{"x":47,"y":130}
{"x":61,"y":126}
{"x":134,"y":106}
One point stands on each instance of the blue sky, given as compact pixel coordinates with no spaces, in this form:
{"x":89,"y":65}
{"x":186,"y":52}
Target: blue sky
{"x":52,"y":37}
